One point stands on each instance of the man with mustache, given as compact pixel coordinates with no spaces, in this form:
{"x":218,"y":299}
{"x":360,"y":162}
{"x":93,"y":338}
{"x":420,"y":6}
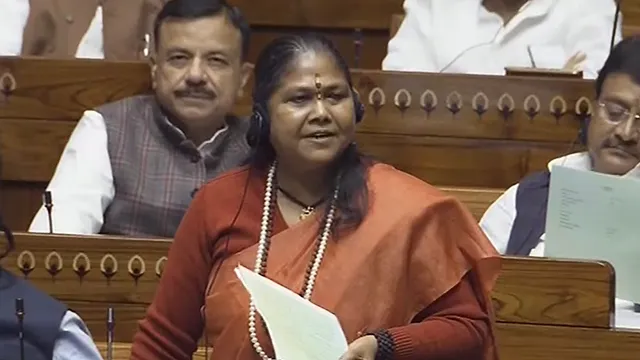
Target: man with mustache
{"x":515,"y":223}
{"x":131,"y":167}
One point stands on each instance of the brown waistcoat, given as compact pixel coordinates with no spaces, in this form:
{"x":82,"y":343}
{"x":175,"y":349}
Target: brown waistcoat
{"x":55,"y":28}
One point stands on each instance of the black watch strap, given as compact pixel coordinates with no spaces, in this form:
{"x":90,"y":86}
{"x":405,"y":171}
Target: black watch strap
{"x":386,"y":345}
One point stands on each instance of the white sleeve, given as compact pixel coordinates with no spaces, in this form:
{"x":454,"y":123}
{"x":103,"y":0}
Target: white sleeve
{"x":497,"y":221}
{"x":82,"y":185}
{"x":409,"y":48}
{"x":74,"y":341}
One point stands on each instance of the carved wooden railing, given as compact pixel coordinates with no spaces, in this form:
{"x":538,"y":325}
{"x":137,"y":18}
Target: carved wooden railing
{"x":545,"y":308}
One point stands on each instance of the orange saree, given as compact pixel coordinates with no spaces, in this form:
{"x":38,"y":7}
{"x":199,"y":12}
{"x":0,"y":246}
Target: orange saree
{"x":418,"y":265}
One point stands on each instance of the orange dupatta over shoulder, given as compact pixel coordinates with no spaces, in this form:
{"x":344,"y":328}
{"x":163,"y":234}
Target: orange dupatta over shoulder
{"x":414,"y":245}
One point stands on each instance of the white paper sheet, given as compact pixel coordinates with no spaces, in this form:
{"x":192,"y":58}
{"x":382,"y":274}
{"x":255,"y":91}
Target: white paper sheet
{"x":596,"y":216}
{"x":298,"y":328}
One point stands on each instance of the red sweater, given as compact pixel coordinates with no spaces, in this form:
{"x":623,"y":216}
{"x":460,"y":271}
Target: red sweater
{"x":454,"y":326}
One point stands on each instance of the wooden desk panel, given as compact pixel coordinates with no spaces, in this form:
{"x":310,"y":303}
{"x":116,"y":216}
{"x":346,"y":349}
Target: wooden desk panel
{"x":529,"y":290}
{"x":110,"y":272}
{"x":122,"y":351}
{"x":535,"y":342}
{"x":475,"y":199}
{"x":525,"y":342}
{"x":553,"y":292}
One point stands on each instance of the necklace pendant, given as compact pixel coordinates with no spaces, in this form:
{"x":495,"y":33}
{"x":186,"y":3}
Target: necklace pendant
{"x":306,"y":212}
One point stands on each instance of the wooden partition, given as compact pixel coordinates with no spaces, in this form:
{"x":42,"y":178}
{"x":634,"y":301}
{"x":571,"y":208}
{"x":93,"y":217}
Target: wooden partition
{"x":450,"y":130}
{"x":545,"y":308}
{"x":477,"y":200}
{"x":360,"y":28}
{"x":630,"y":17}
{"x":122,"y":351}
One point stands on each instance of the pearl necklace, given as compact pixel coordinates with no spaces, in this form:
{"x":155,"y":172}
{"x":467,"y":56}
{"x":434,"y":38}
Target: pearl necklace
{"x":263,"y":248}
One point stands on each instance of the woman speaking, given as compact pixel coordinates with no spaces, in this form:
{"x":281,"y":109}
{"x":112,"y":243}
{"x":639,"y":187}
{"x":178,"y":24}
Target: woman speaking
{"x":404,"y":268}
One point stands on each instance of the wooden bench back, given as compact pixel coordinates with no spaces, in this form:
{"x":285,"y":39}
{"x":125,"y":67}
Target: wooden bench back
{"x":446,"y":146}
{"x":124,"y":272}
{"x":407,"y":114}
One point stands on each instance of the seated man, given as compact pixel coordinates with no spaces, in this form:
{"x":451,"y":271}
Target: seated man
{"x":515,"y":222}
{"x":50,"y":330}
{"x":115,"y":30}
{"x":485,"y":36}
{"x":131,"y":167}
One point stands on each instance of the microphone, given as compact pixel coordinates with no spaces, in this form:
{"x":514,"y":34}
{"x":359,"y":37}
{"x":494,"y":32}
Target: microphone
{"x":147,"y":45}
{"x":357,"y":44}
{"x":48,"y":204}
{"x":111,"y":324}
{"x":615,"y":25}
{"x":20,"y":316}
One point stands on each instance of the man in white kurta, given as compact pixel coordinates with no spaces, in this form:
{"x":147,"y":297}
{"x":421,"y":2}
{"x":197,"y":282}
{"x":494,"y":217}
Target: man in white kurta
{"x":463,"y":36}
{"x":613,"y":143}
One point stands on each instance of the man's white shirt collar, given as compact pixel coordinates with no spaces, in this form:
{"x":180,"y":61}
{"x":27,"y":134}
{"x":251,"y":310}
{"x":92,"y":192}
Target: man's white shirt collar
{"x":582,"y":161}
